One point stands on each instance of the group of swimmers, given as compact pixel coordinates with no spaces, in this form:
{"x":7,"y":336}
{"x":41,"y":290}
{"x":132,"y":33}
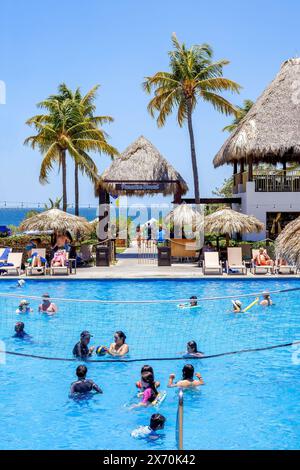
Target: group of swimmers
{"x":46,"y":306}
{"x":265,"y":302}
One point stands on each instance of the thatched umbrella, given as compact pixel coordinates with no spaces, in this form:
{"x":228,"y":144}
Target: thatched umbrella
{"x":58,"y":221}
{"x":227,"y":222}
{"x":270,"y":130}
{"x":288,"y":243}
{"x":184,"y":215}
{"x":141,"y":163}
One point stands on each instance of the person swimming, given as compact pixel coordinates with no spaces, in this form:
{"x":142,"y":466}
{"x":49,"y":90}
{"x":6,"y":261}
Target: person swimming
{"x":24,"y":307}
{"x":20,"y":283}
{"x":157,"y":423}
{"x":188,"y":380}
{"x":141,"y":384}
{"x":20,"y":332}
{"x":150,"y":393}
{"x":119,"y":347}
{"x":237,"y":306}
{"x":267,"y":301}
{"x":81,"y":349}
{"x":47,"y":306}
{"x":192,"y":350}
{"x":83,"y":385}
{"x":192,"y":303}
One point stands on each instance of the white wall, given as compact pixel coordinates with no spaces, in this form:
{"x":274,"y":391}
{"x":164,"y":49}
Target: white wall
{"x":258,"y":204}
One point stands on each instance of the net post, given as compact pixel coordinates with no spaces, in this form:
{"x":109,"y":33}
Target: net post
{"x":180,"y":420}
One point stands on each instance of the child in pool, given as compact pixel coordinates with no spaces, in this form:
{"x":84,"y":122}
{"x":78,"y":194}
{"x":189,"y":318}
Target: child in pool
{"x":193,"y":302}
{"x":192,"y":350}
{"x":150,"y":393}
{"x":188,"y":380}
{"x":141,"y":384}
{"x":157,"y":423}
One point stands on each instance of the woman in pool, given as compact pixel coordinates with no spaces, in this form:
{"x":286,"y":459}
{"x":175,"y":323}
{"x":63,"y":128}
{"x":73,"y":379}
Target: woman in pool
{"x":267,"y":301}
{"x":141,"y":384}
{"x":119,"y":347}
{"x":150,"y":393}
{"x":24,"y":307}
{"x":237,"y":306}
{"x":192,"y":350}
{"x":47,"y":306}
{"x":188,"y":380}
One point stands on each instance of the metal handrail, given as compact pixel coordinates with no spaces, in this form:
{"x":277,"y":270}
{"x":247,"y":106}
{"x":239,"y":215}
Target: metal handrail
{"x":179,"y":426}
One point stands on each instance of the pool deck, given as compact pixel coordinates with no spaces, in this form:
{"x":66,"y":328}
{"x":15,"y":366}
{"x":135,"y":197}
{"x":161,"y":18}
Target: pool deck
{"x":130,"y":267}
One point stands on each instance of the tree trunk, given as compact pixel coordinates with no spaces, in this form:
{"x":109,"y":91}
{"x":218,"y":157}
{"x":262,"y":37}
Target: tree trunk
{"x":76,"y":190}
{"x":193,"y":154}
{"x":64,"y":179}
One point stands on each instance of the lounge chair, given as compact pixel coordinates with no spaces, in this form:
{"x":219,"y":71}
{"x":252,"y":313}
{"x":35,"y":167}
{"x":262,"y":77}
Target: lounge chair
{"x":4,"y":252}
{"x":14,"y":262}
{"x":31,"y":270}
{"x":256,"y":269}
{"x":211,"y":263}
{"x":61,"y":269}
{"x":235,"y":263}
{"x":285,"y":268}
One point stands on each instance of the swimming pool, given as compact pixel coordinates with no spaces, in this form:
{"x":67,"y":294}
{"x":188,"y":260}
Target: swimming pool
{"x":249,"y":401}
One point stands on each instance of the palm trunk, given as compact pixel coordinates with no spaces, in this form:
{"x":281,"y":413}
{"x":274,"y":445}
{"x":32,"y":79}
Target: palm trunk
{"x":76,"y":190}
{"x":193,"y":154}
{"x":64,"y":179}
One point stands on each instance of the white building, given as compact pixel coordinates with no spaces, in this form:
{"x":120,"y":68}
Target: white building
{"x":265,"y":152}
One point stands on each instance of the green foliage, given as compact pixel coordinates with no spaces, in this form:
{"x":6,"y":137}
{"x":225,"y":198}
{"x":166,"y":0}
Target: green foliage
{"x":241,"y":113}
{"x":54,"y":204}
{"x":31,"y":213}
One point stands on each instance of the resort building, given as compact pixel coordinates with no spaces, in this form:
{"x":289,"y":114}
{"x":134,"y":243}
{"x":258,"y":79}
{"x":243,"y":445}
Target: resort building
{"x":264,"y":151}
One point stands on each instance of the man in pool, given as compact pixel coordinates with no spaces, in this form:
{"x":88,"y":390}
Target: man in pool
{"x":83,"y":385}
{"x":157,"y":423}
{"x":188,"y":380}
{"x":20,"y":332}
{"x":47,"y":306}
{"x":81,"y":349}
{"x":266,"y":301}
{"x":193,"y":302}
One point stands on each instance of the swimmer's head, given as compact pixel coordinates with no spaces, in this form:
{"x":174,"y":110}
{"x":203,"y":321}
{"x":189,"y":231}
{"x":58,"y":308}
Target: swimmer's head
{"x":148,"y":377}
{"x":193,"y":300}
{"x":21,"y":282}
{"x":23,"y":303}
{"x":157,"y":422}
{"x":188,"y":372}
{"x":266,"y":295}
{"x":81,"y":372}
{"x":46,"y":298}
{"x":19,"y":326}
{"x":238,"y":303}
{"x":192,"y":347}
{"x":119,"y":337}
{"x":147,"y":368}
{"x":85,"y":337}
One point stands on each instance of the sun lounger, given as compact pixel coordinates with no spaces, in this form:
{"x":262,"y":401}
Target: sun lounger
{"x":286,"y":269}
{"x":235,"y":263}
{"x":211,"y":263}
{"x":61,"y":269}
{"x":260,"y":269}
{"x":4,"y":252}
{"x":14,"y":263}
{"x":31,"y":270}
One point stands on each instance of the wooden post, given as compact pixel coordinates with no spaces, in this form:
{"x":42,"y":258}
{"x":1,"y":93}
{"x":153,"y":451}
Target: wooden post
{"x":104,"y":200}
{"x":250,"y":169}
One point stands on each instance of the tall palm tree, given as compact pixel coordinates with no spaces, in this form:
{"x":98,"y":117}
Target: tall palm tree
{"x":240,"y":114}
{"x":193,"y":76}
{"x":65,"y":128}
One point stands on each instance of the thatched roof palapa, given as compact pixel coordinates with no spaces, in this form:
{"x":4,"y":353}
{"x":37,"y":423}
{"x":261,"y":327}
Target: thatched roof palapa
{"x":141,"y":163}
{"x":227,"y":222}
{"x":270,"y":131}
{"x":288,"y":243}
{"x":58,"y":221}
{"x":184,"y":215}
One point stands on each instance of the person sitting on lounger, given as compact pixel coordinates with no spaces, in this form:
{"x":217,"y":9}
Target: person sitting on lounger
{"x":188,"y":380}
{"x":59,"y":259}
{"x":262,"y":258}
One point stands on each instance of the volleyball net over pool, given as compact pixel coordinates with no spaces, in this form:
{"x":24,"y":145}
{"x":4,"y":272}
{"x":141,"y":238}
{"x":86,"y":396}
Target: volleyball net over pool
{"x":155,"y":329}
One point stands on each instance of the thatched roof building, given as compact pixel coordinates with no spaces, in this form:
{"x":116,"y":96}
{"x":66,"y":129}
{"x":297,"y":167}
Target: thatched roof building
{"x":270,"y":131}
{"x":141,"y":170}
{"x":184,"y":215}
{"x":288,"y":243}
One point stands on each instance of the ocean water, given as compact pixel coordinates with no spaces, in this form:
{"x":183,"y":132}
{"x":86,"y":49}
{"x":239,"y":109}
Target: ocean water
{"x":14,"y":216}
{"x":249,"y":400}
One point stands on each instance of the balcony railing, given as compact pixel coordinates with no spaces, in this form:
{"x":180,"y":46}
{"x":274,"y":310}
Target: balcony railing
{"x":278,"y":183}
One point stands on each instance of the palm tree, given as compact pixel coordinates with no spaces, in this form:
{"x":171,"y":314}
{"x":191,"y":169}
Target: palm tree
{"x":54,"y":204}
{"x":65,"y":128}
{"x":241,"y":113}
{"x":192,"y":76}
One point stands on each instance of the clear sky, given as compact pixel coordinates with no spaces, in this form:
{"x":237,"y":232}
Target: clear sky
{"x":116,"y":43}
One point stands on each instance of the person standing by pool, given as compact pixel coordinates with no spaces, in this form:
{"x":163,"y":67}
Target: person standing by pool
{"x":119,"y":347}
{"x":83,"y":385}
{"x":20,"y":332}
{"x":157,"y":423}
{"x":47,"y":306}
{"x":192,"y":350}
{"x":81,"y":349}
{"x":188,"y":380}
{"x":267,"y":301}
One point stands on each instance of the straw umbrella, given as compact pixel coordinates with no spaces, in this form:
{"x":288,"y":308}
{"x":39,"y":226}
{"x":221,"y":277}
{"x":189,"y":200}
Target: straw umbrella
{"x":184,"y":216}
{"x":288,"y":243}
{"x":227,"y":222}
{"x":58,"y":221}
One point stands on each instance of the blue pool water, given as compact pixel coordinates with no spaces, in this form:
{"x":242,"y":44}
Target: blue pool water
{"x":249,"y":401}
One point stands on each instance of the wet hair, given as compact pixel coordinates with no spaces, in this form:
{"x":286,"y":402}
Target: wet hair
{"x":188,"y":372}
{"x":147,"y":368}
{"x":193,"y":297}
{"x":81,"y":371}
{"x":19,"y":326}
{"x":157,"y":421}
{"x":193,"y":345}
{"x":121,"y":335}
{"x":148,"y":378}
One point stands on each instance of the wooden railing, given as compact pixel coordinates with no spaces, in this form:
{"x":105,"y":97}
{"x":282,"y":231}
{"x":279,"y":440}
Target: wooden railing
{"x":269,"y":181}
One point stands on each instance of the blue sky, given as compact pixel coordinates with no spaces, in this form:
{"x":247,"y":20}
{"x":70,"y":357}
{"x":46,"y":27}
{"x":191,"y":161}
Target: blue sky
{"x":116,"y":43}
